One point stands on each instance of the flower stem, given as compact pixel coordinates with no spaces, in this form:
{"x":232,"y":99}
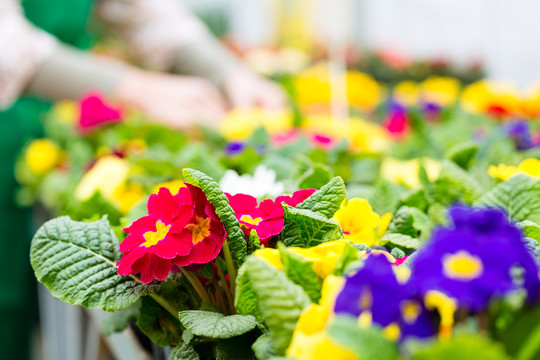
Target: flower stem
{"x":199,"y":288}
{"x":229,"y":263}
{"x":165,"y":304}
{"x":220,"y":299}
{"x":226,"y":289}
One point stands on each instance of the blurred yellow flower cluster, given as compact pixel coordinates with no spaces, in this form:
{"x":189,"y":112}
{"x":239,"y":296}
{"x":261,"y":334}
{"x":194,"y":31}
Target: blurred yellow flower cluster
{"x":312,"y":87}
{"x":42,"y":156}
{"x":405,"y":172}
{"x":239,"y":124}
{"x":109,"y":177}
{"x":362,"y":136}
{"x":503,"y":172}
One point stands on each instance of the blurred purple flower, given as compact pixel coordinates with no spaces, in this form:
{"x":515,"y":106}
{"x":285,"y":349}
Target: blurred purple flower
{"x":475,"y":259}
{"x":234,"y":148}
{"x":520,"y":133}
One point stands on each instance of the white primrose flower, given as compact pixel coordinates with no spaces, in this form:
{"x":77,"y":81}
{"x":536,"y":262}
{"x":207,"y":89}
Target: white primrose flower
{"x":263,"y":182}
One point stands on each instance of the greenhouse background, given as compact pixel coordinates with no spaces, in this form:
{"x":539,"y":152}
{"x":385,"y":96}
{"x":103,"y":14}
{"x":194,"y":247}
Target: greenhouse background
{"x":348,"y":179}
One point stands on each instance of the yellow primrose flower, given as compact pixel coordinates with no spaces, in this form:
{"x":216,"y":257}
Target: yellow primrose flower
{"x":272,"y":256}
{"x":440,"y":90}
{"x":363,"y":90}
{"x":358,"y":221}
{"x":310,"y":340}
{"x":530,"y":166}
{"x":323,"y":256}
{"x":482,"y":96}
{"x":66,"y":111}
{"x":239,"y":124}
{"x":173,"y":186}
{"x":107,"y":175}
{"x":42,"y":155}
{"x":127,"y":196}
{"x":406,"y":93}
{"x":406,"y":171}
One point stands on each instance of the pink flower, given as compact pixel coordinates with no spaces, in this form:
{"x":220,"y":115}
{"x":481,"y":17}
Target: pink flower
{"x":179,"y":230}
{"x":96,"y":112}
{"x":267,"y":217}
{"x":397,"y":124}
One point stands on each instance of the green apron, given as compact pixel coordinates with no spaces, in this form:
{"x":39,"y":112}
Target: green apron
{"x":67,"y":20}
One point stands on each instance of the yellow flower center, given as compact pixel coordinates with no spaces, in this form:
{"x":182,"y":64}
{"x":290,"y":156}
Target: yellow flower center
{"x":446,"y":306}
{"x":248,"y":219}
{"x":200,"y":230}
{"x":462,"y":266}
{"x":392,"y":332}
{"x":410,"y":311}
{"x":153,"y":237}
{"x":366,"y":300}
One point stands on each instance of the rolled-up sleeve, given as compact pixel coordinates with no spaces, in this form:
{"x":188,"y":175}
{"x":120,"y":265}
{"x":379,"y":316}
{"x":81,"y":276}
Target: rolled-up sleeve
{"x":163,"y":35}
{"x":24,"y":49}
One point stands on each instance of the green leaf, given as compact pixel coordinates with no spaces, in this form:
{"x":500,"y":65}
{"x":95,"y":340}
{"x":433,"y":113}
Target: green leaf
{"x":414,"y":198}
{"x":521,"y":337}
{"x":235,"y":236}
{"x":277,"y":299}
{"x":77,"y":262}
{"x":463,"y":347}
{"x":327,"y":200}
{"x":454,"y":184}
{"x":305,"y":228}
{"x":216,"y":325}
{"x":530,"y":229}
{"x":254,"y":242}
{"x":301,"y":272}
{"x":118,"y":321}
{"x":519,"y":196}
{"x":367,"y":344}
{"x":409,"y":221}
{"x":384,"y":196}
{"x":349,"y":256}
{"x":263,"y":347}
{"x":184,"y":351}
{"x":160,"y":326}
{"x":316,"y":177}
{"x":462,"y":154}
{"x":401,"y":240}
{"x":245,"y":300}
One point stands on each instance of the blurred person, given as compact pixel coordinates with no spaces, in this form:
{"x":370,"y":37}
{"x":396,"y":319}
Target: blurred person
{"x":41,"y":60}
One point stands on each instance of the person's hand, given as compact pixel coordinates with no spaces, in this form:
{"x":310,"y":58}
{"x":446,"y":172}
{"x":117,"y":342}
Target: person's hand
{"x":176,"y":101}
{"x":247,"y":90}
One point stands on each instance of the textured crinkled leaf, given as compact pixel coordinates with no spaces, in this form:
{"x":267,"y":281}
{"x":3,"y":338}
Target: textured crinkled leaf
{"x":327,"y":200}
{"x":316,"y":177}
{"x":366,"y":344}
{"x":305,"y":228}
{"x":118,"y":321}
{"x":184,"y":351}
{"x":156,"y":323}
{"x":216,"y":325}
{"x":235,"y":236}
{"x":245,"y":300}
{"x":401,"y":240}
{"x":519,"y":196}
{"x":254,"y":242}
{"x":384,"y":196}
{"x":454,"y":184}
{"x":77,"y":262}
{"x":530,"y":229}
{"x":278,"y":299}
{"x":301,"y":272}
{"x":464,"y":347}
{"x":409,"y":221}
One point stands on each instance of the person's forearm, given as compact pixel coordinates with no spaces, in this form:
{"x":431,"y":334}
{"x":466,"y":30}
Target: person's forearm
{"x":69,"y":74}
{"x":207,"y":58}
